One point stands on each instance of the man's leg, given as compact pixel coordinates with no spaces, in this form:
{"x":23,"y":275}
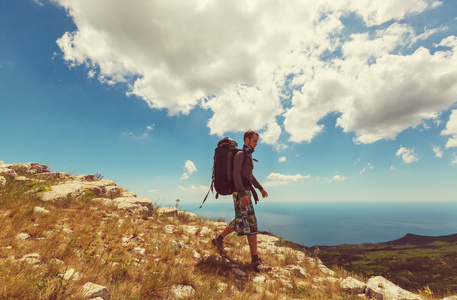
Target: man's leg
{"x":218,"y":239}
{"x":226,"y":231}
{"x":252,"y":240}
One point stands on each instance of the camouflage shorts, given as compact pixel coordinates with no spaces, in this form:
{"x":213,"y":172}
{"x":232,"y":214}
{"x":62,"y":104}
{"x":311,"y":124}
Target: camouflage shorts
{"x":245,"y":222}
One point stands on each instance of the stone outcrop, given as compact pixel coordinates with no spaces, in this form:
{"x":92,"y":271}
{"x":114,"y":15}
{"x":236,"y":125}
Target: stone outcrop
{"x":67,"y":186}
{"x":92,"y":290}
{"x":381,"y":286}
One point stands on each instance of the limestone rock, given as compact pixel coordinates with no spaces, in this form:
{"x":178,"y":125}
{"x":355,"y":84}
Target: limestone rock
{"x":182,"y":291}
{"x":128,"y":194}
{"x":450,"y":298}
{"x":6,"y":170}
{"x":353,"y":286}
{"x":23,"y":236}
{"x":238,"y":272}
{"x":134,"y":204}
{"x":31,"y":168}
{"x":62,"y":191}
{"x":113,"y":191}
{"x":197,"y":255}
{"x":32,"y":259}
{"x":389,"y":290}
{"x":41,"y":210}
{"x":169,"y":229}
{"x":52,"y":175}
{"x":190,"y":229}
{"x":168,"y":211}
{"x":92,"y":290}
{"x":188,"y":214}
{"x":205,"y":231}
{"x":267,"y":242}
{"x":71,"y":274}
{"x":259,"y":279}
{"x":140,"y":251}
{"x":297,"y":270}
{"x":2,"y":181}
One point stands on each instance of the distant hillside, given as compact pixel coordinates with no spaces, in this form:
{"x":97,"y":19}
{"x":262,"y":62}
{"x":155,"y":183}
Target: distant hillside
{"x":414,"y":239}
{"x":412,"y":262}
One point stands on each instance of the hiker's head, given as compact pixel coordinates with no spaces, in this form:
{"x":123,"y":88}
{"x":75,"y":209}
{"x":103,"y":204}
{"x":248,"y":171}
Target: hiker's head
{"x":251,"y":138}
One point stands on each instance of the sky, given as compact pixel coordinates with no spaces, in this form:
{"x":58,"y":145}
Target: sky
{"x":353,"y":100}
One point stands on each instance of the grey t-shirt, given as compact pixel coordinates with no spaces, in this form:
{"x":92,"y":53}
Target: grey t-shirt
{"x":244,"y":170}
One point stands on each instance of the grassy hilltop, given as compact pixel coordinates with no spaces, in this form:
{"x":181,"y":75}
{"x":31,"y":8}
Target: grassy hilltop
{"x":49,"y":250}
{"x":54,"y":249}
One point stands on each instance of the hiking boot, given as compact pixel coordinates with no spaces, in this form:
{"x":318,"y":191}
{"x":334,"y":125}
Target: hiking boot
{"x":259,"y":265}
{"x":218,"y":243}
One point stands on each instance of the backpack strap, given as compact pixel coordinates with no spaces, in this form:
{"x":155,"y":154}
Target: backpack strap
{"x":210,"y":190}
{"x":254,"y":193}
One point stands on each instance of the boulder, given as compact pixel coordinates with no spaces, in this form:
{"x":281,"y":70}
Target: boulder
{"x":92,"y":290}
{"x":134,"y":204}
{"x":31,"y":259}
{"x":52,"y":175}
{"x":2,"y":181}
{"x":23,"y":236}
{"x":353,"y":286}
{"x":41,"y":210}
{"x":128,"y":194}
{"x":71,"y":274}
{"x":113,"y":191}
{"x":189,"y":229}
{"x":31,"y":168}
{"x":389,"y":290}
{"x":297,"y":270}
{"x":7,"y":171}
{"x":62,"y":191}
{"x":182,"y":291}
{"x":171,"y":211}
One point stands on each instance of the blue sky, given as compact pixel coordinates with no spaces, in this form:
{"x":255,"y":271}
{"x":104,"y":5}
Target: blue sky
{"x":354,"y":100}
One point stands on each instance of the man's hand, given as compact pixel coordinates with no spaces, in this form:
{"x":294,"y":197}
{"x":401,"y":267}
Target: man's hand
{"x":245,"y":200}
{"x":264,"y":193}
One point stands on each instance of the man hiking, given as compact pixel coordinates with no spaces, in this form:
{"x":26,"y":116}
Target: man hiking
{"x":245,"y":222}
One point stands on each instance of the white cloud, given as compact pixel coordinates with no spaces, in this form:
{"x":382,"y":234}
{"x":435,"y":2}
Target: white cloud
{"x":189,"y":168}
{"x":451,"y":129}
{"x":38,"y":2}
{"x":339,"y":178}
{"x":454,"y":161}
{"x":438,"y":151}
{"x":407,"y":155}
{"x":153,"y":191}
{"x":392,"y":168}
{"x":194,"y":189}
{"x":143,"y":136}
{"x":277,"y":179}
{"x":369,"y":166}
{"x":276,"y":67}
{"x":282,"y":159}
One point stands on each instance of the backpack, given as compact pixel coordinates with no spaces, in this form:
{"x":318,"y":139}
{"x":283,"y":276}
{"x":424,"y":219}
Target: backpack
{"x":223,"y":167}
{"x":222,"y":179}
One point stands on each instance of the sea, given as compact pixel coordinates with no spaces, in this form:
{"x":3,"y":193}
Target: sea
{"x":336,"y":223}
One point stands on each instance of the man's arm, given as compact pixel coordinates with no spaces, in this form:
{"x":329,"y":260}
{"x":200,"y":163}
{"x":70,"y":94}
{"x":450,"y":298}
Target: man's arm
{"x":259,"y":187}
{"x":237,"y":165}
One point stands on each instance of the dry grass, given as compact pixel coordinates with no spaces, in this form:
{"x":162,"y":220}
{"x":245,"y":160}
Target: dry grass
{"x":134,"y":256}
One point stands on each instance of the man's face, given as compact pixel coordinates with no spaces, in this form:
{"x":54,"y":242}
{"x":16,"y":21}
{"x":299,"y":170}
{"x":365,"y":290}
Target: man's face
{"x":252,"y":142}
